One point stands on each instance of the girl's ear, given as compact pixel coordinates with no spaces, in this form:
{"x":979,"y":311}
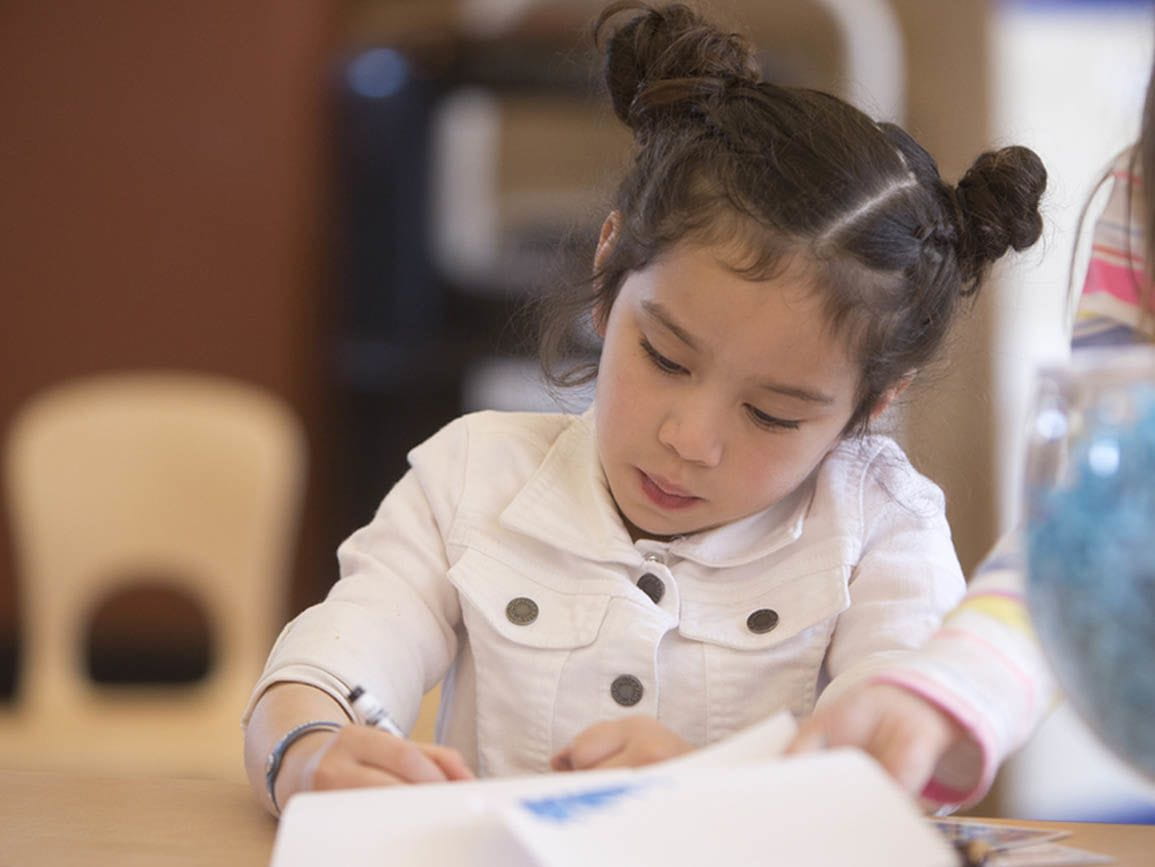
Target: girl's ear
{"x":888,"y":397}
{"x":606,"y":240}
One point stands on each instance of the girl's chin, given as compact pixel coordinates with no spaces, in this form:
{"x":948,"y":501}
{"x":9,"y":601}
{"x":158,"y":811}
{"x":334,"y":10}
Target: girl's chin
{"x":660,"y":534}
{"x":639,"y":531}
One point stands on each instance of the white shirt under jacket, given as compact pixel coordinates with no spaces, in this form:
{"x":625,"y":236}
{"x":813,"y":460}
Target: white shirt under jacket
{"x":857,"y":565}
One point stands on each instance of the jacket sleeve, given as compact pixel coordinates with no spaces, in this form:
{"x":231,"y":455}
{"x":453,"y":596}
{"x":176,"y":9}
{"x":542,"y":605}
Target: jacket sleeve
{"x":907,"y":576}
{"x":390,"y":622}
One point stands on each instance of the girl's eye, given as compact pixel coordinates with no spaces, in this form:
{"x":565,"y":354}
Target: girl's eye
{"x":770,"y":422}
{"x":660,"y":361}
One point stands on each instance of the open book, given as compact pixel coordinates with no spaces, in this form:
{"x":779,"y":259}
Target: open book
{"x":735,"y":802}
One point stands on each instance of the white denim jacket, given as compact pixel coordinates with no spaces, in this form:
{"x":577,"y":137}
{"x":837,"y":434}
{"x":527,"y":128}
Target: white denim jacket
{"x":500,"y":563}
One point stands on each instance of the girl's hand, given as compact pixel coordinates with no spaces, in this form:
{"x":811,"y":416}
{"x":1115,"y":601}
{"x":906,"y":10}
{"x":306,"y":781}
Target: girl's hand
{"x":907,"y":735}
{"x":625,"y":743}
{"x":357,"y":756}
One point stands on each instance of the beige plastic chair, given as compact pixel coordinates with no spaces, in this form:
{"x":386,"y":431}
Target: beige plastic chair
{"x":194,"y":478}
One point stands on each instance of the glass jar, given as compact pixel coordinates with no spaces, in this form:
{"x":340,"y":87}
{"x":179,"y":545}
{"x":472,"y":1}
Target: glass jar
{"x":1090,"y":537}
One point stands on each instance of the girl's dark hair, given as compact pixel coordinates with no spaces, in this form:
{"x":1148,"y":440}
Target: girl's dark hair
{"x":796,"y":175}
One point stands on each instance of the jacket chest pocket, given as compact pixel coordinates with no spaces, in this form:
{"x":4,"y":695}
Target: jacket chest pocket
{"x":521,"y":632}
{"x":764,"y":652}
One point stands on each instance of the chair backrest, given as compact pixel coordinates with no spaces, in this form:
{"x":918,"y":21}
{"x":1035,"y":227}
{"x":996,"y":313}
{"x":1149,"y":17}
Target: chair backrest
{"x":194,"y":478}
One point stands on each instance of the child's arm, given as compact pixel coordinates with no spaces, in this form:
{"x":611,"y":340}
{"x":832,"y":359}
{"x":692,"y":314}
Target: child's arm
{"x":906,"y":578}
{"x":982,"y":673}
{"x":390,"y":623}
{"x":351,"y":756}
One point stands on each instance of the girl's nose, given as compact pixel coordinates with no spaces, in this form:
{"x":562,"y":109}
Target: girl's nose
{"x":693,"y":436}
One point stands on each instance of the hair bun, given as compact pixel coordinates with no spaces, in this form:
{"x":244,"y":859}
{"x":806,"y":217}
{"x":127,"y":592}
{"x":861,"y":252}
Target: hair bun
{"x":671,"y":46}
{"x":998,"y":200}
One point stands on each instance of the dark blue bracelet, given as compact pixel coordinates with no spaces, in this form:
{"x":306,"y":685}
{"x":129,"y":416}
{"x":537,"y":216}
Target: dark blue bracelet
{"x":273,"y":763}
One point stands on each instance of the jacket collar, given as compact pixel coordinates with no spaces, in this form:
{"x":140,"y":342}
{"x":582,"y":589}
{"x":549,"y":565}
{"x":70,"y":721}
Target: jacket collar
{"x":567,"y":504}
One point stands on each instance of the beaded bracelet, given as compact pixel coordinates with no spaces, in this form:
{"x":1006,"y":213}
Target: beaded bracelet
{"x":273,"y":763}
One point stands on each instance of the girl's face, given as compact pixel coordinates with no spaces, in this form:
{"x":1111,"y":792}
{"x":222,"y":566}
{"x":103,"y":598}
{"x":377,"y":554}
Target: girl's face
{"x":717,"y":395}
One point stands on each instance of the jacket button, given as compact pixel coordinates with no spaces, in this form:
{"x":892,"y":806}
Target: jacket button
{"x":627,"y":690}
{"x":521,"y":611}
{"x":652,"y":586}
{"x":762,"y":620}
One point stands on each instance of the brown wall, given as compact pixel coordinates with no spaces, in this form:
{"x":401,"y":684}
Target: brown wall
{"x":950,"y":428}
{"x":162,"y":169}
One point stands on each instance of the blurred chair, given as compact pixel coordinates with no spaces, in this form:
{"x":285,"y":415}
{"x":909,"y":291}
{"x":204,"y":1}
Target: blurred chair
{"x":195,"y":479}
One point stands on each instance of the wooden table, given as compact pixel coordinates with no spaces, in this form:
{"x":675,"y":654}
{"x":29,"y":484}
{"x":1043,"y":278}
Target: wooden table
{"x":60,"y":819}
{"x":1129,"y":845}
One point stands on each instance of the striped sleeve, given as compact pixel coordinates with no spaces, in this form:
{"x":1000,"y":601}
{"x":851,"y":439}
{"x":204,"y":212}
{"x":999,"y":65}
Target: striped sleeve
{"x":1110,"y":311}
{"x":985,"y":670}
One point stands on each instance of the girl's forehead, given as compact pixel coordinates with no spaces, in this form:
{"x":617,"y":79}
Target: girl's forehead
{"x":738,"y":265}
{"x":747,"y":248}
{"x":704,"y":294}
{"x":770,"y":263}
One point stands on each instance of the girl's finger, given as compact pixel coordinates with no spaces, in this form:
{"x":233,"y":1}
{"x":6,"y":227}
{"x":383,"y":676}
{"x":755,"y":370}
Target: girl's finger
{"x":562,"y":761}
{"x":594,"y":747}
{"x":402,"y":758}
{"x":366,"y":776}
{"x":809,"y":738}
{"x":625,"y":758}
{"x":347,"y":773}
{"x":409,"y":762}
{"x":910,"y":761}
{"x":910,"y":753}
{"x":449,"y":760}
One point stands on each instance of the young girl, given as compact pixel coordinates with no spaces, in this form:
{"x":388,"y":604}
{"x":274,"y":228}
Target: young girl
{"x":950,"y":713}
{"x":718,"y":538}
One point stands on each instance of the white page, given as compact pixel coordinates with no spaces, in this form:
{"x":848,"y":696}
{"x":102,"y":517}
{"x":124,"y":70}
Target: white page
{"x":758,"y":743}
{"x":464,"y":823}
{"x":822,"y":809}
{"x":413,"y":826}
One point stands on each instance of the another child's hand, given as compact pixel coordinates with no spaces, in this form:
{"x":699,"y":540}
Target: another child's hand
{"x":625,"y":743}
{"x":357,"y":756}
{"x":904,"y":733}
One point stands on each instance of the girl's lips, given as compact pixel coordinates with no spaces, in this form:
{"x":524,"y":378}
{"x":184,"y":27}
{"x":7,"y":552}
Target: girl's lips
{"x":664,"y":498}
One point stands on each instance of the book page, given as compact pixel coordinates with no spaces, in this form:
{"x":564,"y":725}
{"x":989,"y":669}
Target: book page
{"x":738,"y":789}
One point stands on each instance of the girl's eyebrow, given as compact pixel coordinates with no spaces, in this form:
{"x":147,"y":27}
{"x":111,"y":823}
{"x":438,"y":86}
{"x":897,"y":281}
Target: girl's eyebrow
{"x":659,"y":314}
{"x":796,"y":392}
